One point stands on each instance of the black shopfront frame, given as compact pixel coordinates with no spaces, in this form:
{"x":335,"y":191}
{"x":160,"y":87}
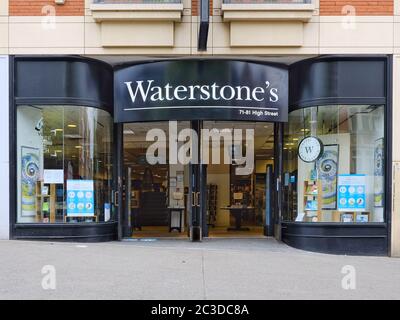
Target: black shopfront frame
{"x":57,"y":80}
{"x":373,"y":239}
{"x":345,"y":80}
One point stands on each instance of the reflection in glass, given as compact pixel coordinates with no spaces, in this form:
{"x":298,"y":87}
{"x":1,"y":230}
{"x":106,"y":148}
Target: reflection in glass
{"x":346,"y":183}
{"x":64,"y":164}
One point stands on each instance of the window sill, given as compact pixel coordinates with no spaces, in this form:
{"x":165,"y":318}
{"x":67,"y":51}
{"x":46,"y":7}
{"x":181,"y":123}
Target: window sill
{"x":142,"y":11}
{"x":267,"y":12}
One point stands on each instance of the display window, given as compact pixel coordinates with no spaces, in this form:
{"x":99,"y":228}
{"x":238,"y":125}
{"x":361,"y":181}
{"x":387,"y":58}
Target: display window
{"x":64,"y":164}
{"x":334,"y":160}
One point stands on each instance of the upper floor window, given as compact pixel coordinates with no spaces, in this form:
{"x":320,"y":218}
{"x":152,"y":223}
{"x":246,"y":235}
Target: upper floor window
{"x":270,"y":1}
{"x":134,"y":1}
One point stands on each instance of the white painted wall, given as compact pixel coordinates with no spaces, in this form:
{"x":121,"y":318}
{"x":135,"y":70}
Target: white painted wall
{"x":395,"y":240}
{"x":223,"y":197}
{"x":4,"y":154}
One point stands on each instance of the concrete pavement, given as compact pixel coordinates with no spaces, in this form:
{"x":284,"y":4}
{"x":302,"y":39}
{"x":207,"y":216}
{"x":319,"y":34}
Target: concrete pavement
{"x":178,"y":269}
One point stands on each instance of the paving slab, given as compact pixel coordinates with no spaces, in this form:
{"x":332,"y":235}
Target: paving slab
{"x":179,"y":269}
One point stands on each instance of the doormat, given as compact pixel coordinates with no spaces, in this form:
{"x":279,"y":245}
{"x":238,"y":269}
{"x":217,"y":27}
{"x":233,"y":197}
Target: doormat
{"x":141,"y":239}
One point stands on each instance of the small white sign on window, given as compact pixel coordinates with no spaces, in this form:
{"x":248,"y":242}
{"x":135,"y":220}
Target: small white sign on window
{"x":107,"y":208}
{"x":53,"y":176}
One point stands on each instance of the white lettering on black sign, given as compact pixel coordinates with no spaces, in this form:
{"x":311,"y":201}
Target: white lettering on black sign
{"x":147,"y":90}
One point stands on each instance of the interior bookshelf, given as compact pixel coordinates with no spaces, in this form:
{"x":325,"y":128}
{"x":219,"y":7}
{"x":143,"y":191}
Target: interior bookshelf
{"x":212,"y":193}
{"x":312,"y":199}
{"x":45,"y":202}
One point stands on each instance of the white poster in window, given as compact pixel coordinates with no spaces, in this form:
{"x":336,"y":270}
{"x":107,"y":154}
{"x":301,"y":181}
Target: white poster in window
{"x":54,"y":176}
{"x":172,"y":181}
{"x":30,"y":175}
{"x":107,"y":212}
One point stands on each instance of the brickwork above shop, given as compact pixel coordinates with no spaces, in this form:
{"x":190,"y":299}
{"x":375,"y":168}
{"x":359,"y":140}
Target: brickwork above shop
{"x":327,"y":7}
{"x":171,"y":27}
{"x":37,"y":7}
{"x":362,"y":7}
{"x":196,"y":9}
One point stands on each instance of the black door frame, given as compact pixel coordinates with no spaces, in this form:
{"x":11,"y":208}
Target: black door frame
{"x":275,"y":218}
{"x":277,"y":197}
{"x":196,"y":194}
{"x":118,"y":173}
{"x":197,"y":186}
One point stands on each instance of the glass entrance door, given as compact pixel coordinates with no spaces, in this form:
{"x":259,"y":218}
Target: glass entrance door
{"x":155,"y":196}
{"x":197,"y":179}
{"x":239,"y":185}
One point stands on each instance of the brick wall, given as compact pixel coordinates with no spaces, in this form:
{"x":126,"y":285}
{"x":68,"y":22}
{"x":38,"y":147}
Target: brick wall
{"x":195,"y":7}
{"x":196,"y":10}
{"x":327,"y":7}
{"x":35,"y":7}
{"x":362,"y":7}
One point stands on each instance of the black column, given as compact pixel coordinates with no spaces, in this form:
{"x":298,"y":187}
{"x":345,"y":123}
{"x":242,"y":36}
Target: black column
{"x":204,"y":23}
{"x":203,"y":199}
{"x":195,"y":189}
{"x":269,"y":186}
{"x":278,"y":169}
{"x":118,"y":174}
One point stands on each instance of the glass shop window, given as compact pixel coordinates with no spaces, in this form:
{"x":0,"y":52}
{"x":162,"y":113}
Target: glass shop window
{"x":64,"y":164}
{"x":337,"y":174}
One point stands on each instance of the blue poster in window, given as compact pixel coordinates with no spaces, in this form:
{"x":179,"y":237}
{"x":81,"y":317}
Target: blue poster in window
{"x":352,"y":192}
{"x":80,"y":198}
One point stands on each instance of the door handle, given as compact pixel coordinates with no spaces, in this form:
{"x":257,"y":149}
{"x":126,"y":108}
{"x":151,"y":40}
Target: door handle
{"x":198,"y":199}
{"x":193,"y":199}
{"x":116,"y":196}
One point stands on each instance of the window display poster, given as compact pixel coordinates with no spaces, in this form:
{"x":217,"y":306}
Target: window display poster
{"x":378,"y":173}
{"x":53,"y":176}
{"x":352,"y":192}
{"x":80,"y":198}
{"x":30,"y":174}
{"x":327,"y":168}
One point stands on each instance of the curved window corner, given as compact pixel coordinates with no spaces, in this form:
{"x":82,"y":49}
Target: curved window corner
{"x":64,"y":164}
{"x":346,"y":183}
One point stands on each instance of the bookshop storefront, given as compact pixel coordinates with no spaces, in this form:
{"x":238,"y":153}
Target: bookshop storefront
{"x":101,"y":152}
